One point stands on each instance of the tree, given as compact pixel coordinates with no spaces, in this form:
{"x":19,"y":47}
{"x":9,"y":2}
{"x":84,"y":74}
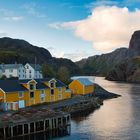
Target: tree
{"x":3,"y":77}
{"x":63,"y":74}
{"x":47,"y":71}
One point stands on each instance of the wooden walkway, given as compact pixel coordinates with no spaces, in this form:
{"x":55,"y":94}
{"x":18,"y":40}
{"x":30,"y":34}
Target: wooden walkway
{"x":29,"y":121}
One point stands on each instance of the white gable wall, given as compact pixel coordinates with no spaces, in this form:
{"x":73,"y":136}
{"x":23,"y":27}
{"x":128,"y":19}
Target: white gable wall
{"x":21,"y":72}
{"x":38,"y":75}
{"x":30,"y":72}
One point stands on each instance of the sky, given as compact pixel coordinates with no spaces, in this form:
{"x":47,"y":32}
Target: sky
{"x":72,"y":29}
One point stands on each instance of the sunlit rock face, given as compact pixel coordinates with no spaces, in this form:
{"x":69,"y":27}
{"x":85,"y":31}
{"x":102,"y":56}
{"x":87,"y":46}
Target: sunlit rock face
{"x":134,"y":45}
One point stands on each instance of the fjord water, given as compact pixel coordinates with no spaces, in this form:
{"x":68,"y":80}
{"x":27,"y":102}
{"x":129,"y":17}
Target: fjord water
{"x":117,"y":119}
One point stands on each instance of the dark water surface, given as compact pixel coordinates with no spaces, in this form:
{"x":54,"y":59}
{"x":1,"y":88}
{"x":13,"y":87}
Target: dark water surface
{"x":117,"y":119}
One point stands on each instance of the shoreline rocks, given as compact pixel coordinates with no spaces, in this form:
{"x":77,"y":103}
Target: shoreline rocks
{"x":87,"y":104}
{"x":104,"y":94}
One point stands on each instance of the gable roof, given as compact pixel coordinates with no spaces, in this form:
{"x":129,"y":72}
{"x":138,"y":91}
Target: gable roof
{"x":16,"y":85}
{"x":11,"y":86}
{"x":10,"y":66}
{"x":37,"y":67}
{"x":84,"y":81}
{"x":58,"y":82}
{"x":39,"y":83}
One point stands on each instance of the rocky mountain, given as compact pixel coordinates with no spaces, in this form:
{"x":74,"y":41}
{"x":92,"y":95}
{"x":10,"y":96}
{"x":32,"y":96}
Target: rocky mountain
{"x":134,"y":45}
{"x":122,"y":64}
{"x":101,"y":64}
{"x":20,"y":51}
{"x":129,"y":69}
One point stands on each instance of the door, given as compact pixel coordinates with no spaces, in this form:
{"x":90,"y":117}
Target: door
{"x":21,"y":104}
{"x":8,"y":106}
{"x":60,"y":96}
{"x":42,"y":98}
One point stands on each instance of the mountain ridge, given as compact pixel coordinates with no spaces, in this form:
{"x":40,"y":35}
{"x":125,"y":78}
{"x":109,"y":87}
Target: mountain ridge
{"x":21,"y":51}
{"x":122,"y":64}
{"x":101,"y":64}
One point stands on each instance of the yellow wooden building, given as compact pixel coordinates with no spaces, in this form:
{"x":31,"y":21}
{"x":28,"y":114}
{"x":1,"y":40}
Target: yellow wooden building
{"x":16,"y":94}
{"x":82,"y":86}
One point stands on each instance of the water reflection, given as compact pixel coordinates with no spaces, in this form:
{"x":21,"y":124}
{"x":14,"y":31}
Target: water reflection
{"x":116,"y":119}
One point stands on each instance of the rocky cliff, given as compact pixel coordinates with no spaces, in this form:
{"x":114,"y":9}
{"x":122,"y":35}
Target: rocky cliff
{"x":119,"y":65}
{"x":101,"y":64}
{"x":129,"y":69}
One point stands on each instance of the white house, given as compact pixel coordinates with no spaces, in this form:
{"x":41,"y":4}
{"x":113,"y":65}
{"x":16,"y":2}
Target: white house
{"x":33,"y":71}
{"x":13,"y":70}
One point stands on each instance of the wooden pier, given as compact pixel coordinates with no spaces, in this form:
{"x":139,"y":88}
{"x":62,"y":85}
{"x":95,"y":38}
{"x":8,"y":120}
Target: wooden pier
{"x":24,"y":123}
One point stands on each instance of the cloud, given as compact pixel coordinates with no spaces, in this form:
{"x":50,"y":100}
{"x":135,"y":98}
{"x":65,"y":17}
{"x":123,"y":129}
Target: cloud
{"x":56,"y":25}
{"x":108,"y":27}
{"x":98,"y":3}
{"x":74,"y":56}
{"x":8,"y":15}
{"x":50,"y":48}
{"x":58,"y":54}
{"x":13,"y":18}
{"x":3,"y":34}
{"x":33,"y":9}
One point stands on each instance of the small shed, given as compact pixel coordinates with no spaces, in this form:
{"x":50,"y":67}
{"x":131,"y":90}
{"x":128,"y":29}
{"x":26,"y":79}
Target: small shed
{"x":82,"y":86}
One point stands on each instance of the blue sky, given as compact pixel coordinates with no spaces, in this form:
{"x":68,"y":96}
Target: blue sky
{"x":34,"y":21}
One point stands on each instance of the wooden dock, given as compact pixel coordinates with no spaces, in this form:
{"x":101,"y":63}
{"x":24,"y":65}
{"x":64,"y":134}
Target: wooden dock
{"x":27,"y":122}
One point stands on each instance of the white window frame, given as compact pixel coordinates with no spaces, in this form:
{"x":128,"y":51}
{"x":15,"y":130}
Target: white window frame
{"x":60,"y":96}
{"x":34,"y":86}
{"x":42,"y":91}
{"x":19,"y":94}
{"x":59,"y":89}
{"x":44,"y":98}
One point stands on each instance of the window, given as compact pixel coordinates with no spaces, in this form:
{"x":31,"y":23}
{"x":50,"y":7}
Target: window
{"x":43,"y":91}
{"x":52,"y":91}
{"x":32,"y":87}
{"x":52,"y":84}
{"x":20,"y":94}
{"x":10,"y":70}
{"x":42,"y":96}
{"x":30,"y":71}
{"x":59,"y":96}
{"x":60,"y":89}
{"x":27,"y":67}
{"x":19,"y":70}
{"x":31,"y":94}
{"x":30,"y":76}
{"x":42,"y":99}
